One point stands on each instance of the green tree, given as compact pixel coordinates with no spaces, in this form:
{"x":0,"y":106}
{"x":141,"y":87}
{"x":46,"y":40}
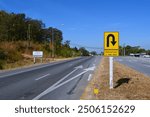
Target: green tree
{"x":4,"y":21}
{"x":93,"y":53}
{"x":83,"y":51}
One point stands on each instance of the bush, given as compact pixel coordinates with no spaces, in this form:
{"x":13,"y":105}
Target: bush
{"x":2,"y":55}
{"x":13,"y":56}
{"x":2,"y":58}
{"x":21,"y":46}
{"x":1,"y":64}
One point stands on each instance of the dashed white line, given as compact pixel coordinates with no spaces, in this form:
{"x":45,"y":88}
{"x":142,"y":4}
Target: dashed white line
{"x":90,"y":76}
{"x":42,"y":77}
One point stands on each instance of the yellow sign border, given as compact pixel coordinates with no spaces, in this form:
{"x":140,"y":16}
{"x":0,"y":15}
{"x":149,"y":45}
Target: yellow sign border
{"x":106,"y":42}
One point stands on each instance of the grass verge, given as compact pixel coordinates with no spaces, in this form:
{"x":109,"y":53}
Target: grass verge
{"x":28,"y":62}
{"x":128,"y":84}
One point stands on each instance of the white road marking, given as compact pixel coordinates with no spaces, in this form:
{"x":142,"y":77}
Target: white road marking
{"x":79,"y":67}
{"x":90,"y":76}
{"x":63,"y":78}
{"x":30,"y":69}
{"x":90,"y":69}
{"x":42,"y":77}
{"x":147,"y":65}
{"x":119,"y":60}
{"x":50,"y":89}
{"x":35,"y":68}
{"x":76,"y":68}
{"x":130,"y":61}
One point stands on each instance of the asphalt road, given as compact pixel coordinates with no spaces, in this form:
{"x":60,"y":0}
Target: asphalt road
{"x":60,"y":80}
{"x":140,"y":64}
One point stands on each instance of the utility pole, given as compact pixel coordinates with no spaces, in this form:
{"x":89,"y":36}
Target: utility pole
{"x":124,"y":50}
{"x":53,"y":48}
{"x":29,"y":34}
{"x":53,"y":42}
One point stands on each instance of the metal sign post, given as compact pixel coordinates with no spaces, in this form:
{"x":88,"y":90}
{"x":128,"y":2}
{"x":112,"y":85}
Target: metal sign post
{"x":111,"y":72}
{"x":111,"y":48}
{"x":34,"y":60}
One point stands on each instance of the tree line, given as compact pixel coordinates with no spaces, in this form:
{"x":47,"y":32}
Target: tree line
{"x":127,"y":50}
{"x":18,"y":27}
{"x":20,"y":34}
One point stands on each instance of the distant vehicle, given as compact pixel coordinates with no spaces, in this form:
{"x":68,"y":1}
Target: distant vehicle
{"x":137,"y":55}
{"x":142,"y":54}
{"x":146,"y":56}
{"x":131,"y":54}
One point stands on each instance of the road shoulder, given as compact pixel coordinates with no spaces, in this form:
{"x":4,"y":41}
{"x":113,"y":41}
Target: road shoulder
{"x":128,"y":84}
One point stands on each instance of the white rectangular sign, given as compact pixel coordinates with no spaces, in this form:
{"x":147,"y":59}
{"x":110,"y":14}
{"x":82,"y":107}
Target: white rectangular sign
{"x":38,"y":54}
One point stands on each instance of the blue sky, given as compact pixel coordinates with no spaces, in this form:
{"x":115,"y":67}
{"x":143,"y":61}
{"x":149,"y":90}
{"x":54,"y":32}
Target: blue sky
{"x":85,"y":21}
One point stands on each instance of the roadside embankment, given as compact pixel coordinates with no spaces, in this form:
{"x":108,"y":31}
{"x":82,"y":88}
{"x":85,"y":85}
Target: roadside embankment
{"x":28,"y":61}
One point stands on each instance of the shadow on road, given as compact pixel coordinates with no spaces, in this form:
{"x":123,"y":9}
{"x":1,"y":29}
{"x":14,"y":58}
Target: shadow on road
{"x":122,"y":81}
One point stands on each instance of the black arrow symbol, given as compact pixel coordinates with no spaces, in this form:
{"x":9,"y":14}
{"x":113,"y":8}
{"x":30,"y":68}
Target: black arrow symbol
{"x":113,"y":40}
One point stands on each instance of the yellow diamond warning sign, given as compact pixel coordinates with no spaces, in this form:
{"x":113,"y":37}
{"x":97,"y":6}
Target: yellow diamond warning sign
{"x":111,"y":43}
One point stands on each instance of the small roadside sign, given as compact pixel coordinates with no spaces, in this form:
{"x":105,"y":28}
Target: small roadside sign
{"x":37,"y":54}
{"x":111,"y":43}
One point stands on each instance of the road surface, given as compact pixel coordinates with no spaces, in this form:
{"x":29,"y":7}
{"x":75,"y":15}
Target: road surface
{"x":60,"y":80}
{"x":140,"y":64}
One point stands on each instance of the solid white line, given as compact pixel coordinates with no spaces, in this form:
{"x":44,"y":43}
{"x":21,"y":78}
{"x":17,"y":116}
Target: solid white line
{"x":34,"y":68}
{"x":50,"y":89}
{"x":42,"y":77}
{"x":63,"y":78}
{"x":90,"y":76}
{"x":29,"y":69}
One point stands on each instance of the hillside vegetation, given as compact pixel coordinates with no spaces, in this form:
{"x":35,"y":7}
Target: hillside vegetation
{"x":21,"y":35}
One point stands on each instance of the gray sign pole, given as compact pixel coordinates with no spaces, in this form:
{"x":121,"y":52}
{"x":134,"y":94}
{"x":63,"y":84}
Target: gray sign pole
{"x":41,"y":60}
{"x":34,"y":60}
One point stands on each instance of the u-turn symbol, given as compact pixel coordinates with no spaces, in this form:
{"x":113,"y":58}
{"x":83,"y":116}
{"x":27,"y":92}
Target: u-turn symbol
{"x":113,"y":39}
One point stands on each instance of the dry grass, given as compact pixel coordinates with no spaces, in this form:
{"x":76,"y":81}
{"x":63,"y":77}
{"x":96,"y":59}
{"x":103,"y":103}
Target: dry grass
{"x":18,"y":56}
{"x":28,"y":62}
{"x":128,"y":84}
